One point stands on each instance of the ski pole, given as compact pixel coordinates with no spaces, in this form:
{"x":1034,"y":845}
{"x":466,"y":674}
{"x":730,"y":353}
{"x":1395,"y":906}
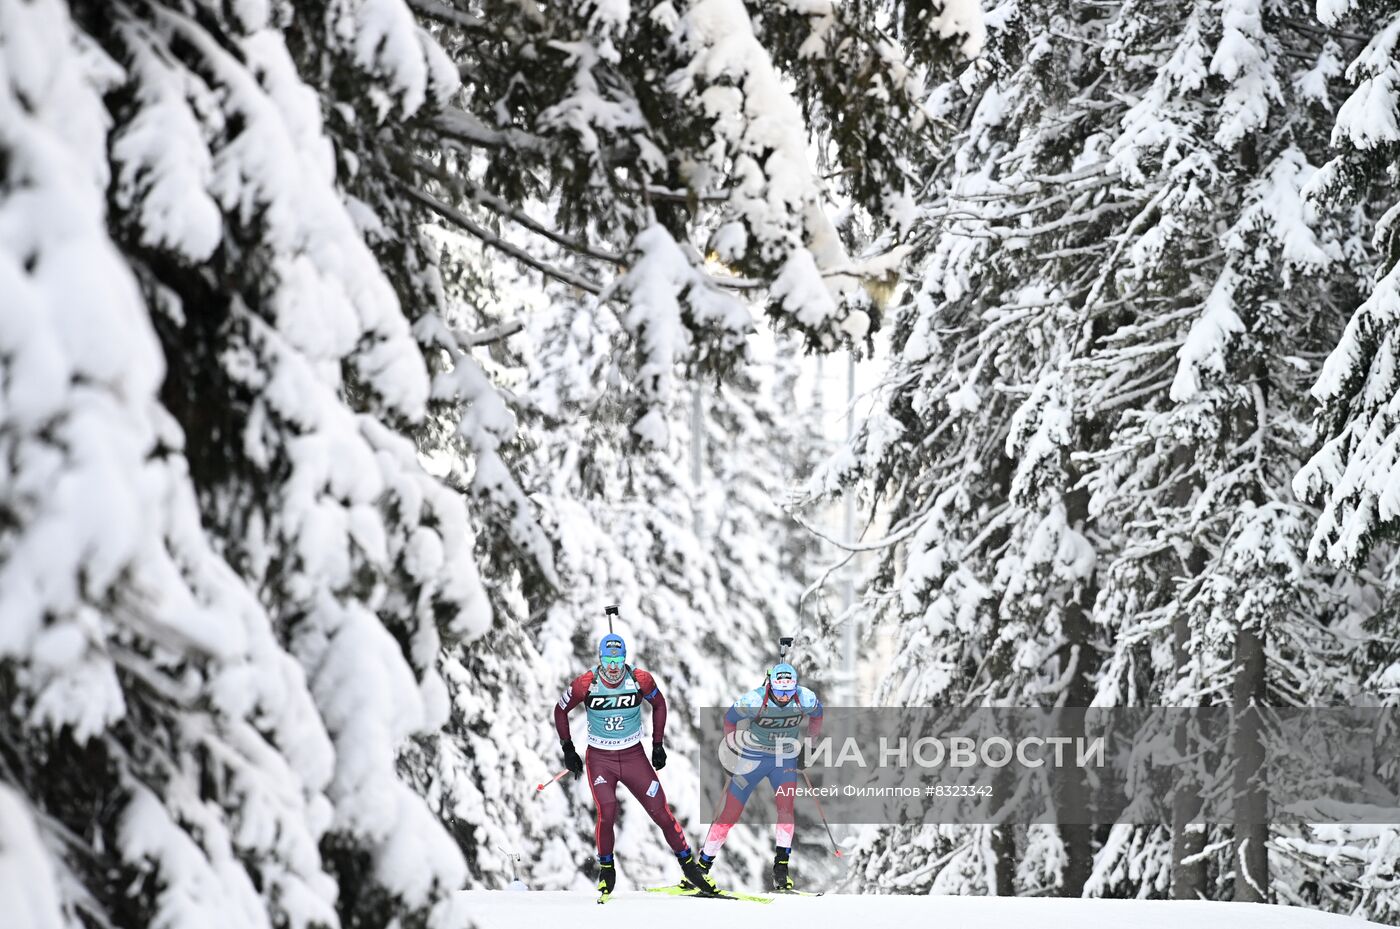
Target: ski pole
{"x":813,"y":790}
{"x":552,"y":780}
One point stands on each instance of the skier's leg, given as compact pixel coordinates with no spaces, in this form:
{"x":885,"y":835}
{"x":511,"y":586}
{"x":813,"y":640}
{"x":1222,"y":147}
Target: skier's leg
{"x":719,"y":829}
{"x":601,"y":770}
{"x":741,"y":785}
{"x":784,"y":781}
{"x":640,"y":778}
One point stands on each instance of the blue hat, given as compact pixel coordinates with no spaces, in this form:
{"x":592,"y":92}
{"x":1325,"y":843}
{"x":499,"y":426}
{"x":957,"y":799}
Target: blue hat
{"x":783,"y":679}
{"x":611,"y":646}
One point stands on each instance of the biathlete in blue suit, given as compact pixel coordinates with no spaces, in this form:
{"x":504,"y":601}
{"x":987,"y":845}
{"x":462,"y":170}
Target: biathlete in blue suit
{"x":765,"y":724}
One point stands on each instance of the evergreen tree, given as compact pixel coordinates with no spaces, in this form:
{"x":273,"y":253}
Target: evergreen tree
{"x":1350,"y":868}
{"x":1350,"y":474}
{"x":1094,"y":415}
{"x":227,"y":575}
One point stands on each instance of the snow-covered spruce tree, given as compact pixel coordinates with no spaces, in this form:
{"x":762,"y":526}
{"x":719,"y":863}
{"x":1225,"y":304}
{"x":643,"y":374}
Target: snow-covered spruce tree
{"x":133,"y":660}
{"x":969,"y":451}
{"x":1121,"y":284}
{"x":1202,"y":395}
{"x":226,"y":574}
{"x":1351,"y":475}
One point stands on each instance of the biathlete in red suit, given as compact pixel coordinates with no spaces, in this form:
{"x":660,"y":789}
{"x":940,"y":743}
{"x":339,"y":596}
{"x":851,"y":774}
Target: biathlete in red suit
{"x":612,"y":695}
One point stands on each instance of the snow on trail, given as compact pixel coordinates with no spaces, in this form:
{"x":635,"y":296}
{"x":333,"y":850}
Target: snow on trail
{"x":493,"y":909}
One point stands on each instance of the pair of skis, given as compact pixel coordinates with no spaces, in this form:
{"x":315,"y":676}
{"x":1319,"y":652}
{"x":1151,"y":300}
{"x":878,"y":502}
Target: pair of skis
{"x":676,"y":890}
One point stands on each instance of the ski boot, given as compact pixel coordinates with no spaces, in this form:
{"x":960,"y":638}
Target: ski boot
{"x":696,"y":876}
{"x":607,"y":876}
{"x":782,"y":883}
{"x":705,"y":862}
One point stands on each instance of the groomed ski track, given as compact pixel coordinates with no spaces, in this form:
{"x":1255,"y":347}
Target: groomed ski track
{"x":499,"y":909}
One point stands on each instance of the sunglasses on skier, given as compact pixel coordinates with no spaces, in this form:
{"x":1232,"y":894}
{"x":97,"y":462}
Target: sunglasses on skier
{"x":612,"y":662}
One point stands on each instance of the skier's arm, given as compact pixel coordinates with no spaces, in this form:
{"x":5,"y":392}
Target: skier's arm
{"x":573,"y":695}
{"x":731,"y":719}
{"x":814,"y":719}
{"x":652,"y":694}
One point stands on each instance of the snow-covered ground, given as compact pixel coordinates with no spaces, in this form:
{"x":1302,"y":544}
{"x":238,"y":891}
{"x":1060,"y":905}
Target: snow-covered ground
{"x":493,"y":909}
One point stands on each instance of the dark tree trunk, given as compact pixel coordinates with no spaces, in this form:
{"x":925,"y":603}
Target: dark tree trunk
{"x":1251,"y":831}
{"x":1188,"y":838}
{"x":1004,"y":844}
{"x":1071,"y":786}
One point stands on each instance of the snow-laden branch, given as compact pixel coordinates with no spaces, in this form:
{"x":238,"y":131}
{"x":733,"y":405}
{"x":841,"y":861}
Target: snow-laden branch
{"x":467,"y":224}
{"x":448,"y":15}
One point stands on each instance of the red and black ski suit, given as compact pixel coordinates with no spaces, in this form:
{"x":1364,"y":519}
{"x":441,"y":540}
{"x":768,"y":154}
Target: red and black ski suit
{"x":630,"y":766}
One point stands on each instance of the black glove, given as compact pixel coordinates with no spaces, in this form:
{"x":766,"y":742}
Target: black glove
{"x":658,"y":755}
{"x":799,"y":761}
{"x":571,"y":759}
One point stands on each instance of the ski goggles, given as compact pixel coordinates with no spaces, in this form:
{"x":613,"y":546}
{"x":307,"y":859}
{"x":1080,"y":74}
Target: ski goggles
{"x":612,"y":662}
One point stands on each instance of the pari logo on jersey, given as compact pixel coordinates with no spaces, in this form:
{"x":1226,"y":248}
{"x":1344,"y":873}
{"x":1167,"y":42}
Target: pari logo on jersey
{"x":614,"y":701}
{"x":786,"y":720}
